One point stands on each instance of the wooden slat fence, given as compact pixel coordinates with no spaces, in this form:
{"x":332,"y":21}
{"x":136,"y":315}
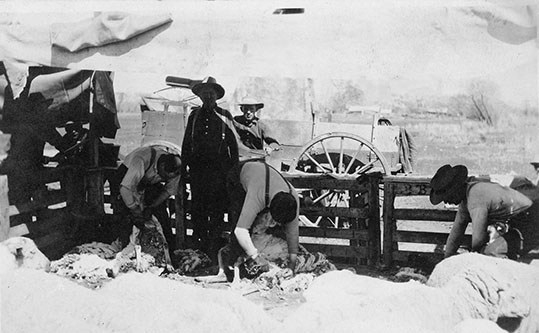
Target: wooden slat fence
{"x":395,"y":186}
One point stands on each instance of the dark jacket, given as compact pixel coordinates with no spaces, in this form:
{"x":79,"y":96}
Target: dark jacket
{"x":208,"y":142}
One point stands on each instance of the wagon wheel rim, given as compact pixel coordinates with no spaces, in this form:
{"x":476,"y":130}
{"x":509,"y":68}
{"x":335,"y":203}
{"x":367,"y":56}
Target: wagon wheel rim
{"x":342,"y":156}
{"x":373,"y":160}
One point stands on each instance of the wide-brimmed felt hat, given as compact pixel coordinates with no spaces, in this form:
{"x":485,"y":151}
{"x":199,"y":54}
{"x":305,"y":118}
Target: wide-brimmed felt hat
{"x":446,"y":181}
{"x":209,"y":82}
{"x":251,"y":101}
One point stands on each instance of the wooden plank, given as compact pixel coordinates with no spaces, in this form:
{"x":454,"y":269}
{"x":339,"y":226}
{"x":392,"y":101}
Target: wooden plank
{"x":47,"y":222}
{"x":4,"y":208}
{"x":334,"y":233}
{"x":420,"y":237}
{"x":424,"y":214}
{"x":337,"y":251}
{"x":325,"y":182}
{"x":360,"y":213}
{"x":48,"y":198}
{"x":50,"y":174}
{"x":374,"y":239}
{"x":427,"y":237}
{"x":18,"y":230}
{"x":389,"y":224}
{"x":408,"y":189}
{"x":404,"y":256}
{"x":392,"y":179}
{"x":95,"y":191}
{"x":180,"y":219}
{"x":74,"y":187}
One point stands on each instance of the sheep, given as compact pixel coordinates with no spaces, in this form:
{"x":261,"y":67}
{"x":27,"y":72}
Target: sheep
{"x":35,"y":301}
{"x":505,"y":291}
{"x":342,"y":301}
{"x":16,"y":252}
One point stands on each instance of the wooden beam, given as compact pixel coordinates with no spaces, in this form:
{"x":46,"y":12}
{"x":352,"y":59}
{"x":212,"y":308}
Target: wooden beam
{"x":325,"y":182}
{"x":404,"y":256}
{"x":420,"y":237}
{"x":337,"y":250}
{"x":95,"y":191}
{"x":360,"y":213}
{"x":180,"y":219}
{"x":48,"y":222}
{"x":49,"y":197}
{"x":389,"y":223}
{"x":427,"y":237}
{"x":424,"y":214}
{"x":4,"y":208}
{"x":406,"y":179}
{"x":374,"y":238}
{"x":334,"y":233}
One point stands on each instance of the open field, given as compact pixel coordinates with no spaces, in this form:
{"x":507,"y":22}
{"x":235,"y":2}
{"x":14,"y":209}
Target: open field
{"x":484,"y":150}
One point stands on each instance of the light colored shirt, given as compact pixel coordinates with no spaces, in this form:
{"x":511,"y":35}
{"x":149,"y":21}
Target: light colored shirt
{"x":253,"y":180}
{"x":137,"y":162}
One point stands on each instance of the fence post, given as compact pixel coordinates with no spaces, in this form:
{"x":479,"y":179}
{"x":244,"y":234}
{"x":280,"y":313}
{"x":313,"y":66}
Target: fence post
{"x":374,"y":221}
{"x":179,"y":201}
{"x":389,"y":222}
{"x":4,"y":208}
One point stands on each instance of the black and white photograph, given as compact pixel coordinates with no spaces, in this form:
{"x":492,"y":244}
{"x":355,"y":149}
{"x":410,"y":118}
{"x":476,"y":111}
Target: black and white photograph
{"x":267,"y":166}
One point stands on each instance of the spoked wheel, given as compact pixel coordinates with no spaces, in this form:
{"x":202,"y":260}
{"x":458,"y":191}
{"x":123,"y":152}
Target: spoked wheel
{"x":342,"y":156}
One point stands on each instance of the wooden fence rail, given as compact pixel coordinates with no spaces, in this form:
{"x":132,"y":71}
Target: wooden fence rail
{"x":49,"y":216}
{"x":395,"y":186}
{"x":363,"y":235}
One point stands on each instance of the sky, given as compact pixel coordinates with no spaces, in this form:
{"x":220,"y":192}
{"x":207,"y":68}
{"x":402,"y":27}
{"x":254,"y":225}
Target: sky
{"x":388,"y":48}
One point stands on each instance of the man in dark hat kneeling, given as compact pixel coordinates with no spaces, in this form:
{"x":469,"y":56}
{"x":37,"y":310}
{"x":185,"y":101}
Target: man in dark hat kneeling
{"x":482,"y":203}
{"x":209,"y":150}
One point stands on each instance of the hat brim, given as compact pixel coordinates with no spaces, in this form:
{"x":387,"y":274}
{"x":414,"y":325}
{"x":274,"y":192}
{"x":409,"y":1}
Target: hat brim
{"x":258,"y":105}
{"x":460,"y":175}
{"x":220,"y":91}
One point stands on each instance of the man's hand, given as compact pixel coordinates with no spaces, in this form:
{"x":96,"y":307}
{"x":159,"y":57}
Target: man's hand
{"x":256,"y":265}
{"x":275,"y":146}
{"x":137,"y":217}
{"x":285,"y":273}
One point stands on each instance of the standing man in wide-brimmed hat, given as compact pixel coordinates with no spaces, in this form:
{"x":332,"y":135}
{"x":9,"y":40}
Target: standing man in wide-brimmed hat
{"x":209,"y":150}
{"x":483,"y":203}
{"x":253,"y":133}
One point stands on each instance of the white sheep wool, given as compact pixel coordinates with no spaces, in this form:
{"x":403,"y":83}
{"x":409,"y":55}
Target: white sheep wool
{"x":462,"y":293}
{"x":35,"y":301}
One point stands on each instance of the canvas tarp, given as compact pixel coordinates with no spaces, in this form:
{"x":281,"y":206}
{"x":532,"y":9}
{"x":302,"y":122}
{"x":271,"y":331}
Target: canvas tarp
{"x":299,"y":65}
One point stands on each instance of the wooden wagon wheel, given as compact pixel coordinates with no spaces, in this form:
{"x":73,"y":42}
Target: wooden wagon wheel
{"x":342,"y":156}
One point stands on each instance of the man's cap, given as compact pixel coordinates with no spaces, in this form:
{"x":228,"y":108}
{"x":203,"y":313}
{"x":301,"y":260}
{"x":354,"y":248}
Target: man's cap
{"x":535,"y":160}
{"x":251,"y":101}
{"x":446,"y":181}
{"x":209,"y":82}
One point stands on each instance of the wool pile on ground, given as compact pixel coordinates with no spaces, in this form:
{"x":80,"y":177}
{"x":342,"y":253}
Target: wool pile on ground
{"x":189,"y":260}
{"x":103,"y":250}
{"x":512,"y":287}
{"x":35,"y":301}
{"x":467,"y":287}
{"x":92,"y":271}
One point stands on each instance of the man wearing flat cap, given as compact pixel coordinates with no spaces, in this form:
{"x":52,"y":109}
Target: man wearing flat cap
{"x":209,"y":150}
{"x":482,"y":203}
{"x":253,"y":133}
